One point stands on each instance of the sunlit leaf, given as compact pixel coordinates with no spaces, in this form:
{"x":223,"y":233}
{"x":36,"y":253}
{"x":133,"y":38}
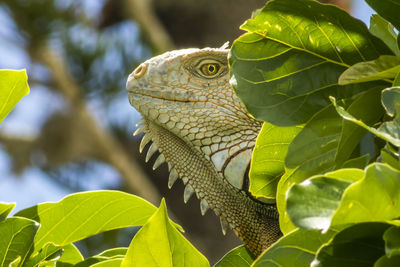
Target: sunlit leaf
{"x":159,"y":243}
{"x":85,"y":214}
{"x":16,"y":262}
{"x":384,"y":67}
{"x":109,"y":263}
{"x":13,"y":86}
{"x":48,"y":252}
{"x":70,"y":256}
{"x":5,"y":209}
{"x":114,"y":253}
{"x":267,"y":164}
{"x":312,"y":203}
{"x":383,"y":30}
{"x":295,"y":249}
{"x":239,"y":256}
{"x":376,"y":197}
{"x":91,"y":260}
{"x":388,"y":9}
{"x":16,"y":237}
{"x":288,"y":64}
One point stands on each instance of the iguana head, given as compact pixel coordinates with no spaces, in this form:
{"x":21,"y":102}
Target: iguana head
{"x":187,"y":92}
{"x":201,"y":129}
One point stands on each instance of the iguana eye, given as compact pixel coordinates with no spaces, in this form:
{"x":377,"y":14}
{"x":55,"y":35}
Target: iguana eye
{"x":209,"y":69}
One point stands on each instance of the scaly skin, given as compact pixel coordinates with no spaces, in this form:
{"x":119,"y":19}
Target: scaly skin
{"x":203,"y":131}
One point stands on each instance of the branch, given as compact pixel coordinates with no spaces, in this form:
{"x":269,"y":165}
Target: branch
{"x":142,"y":12}
{"x":110,"y":149}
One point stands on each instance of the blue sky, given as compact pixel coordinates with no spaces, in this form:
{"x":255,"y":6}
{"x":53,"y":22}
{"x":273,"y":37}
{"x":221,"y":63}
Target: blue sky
{"x":33,"y":186}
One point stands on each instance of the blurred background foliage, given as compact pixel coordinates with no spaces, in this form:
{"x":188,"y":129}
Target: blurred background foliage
{"x":73,"y":132}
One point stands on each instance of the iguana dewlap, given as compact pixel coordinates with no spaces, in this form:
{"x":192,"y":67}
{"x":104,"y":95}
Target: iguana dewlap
{"x":203,"y":131}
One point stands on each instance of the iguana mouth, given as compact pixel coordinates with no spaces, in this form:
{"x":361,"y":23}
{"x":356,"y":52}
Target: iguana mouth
{"x":156,"y":94}
{"x":136,"y":88}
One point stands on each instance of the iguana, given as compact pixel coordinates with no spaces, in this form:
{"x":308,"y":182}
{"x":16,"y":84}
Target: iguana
{"x":202,"y":130}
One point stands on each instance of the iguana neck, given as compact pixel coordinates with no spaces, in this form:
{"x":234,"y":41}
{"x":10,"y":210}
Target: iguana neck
{"x":204,"y":133}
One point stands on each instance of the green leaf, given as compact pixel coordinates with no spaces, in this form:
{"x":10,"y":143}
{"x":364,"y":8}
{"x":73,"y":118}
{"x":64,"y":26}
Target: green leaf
{"x":16,"y":262}
{"x":85,"y":214}
{"x":91,"y":260}
{"x":359,"y":163}
{"x":390,"y":158}
{"x":70,"y":256}
{"x":5,"y":209}
{"x":267,"y":163}
{"x":376,"y":197}
{"x":391,"y":100}
{"x":16,"y":236}
{"x":388,"y":9}
{"x":325,"y":143}
{"x":384,"y":67}
{"x":388,"y":131}
{"x":159,"y":243}
{"x":239,"y":256}
{"x":368,"y":108}
{"x":311,"y":152}
{"x":114,"y":253}
{"x":396,"y":81}
{"x":49,"y":252}
{"x":288,"y":64}
{"x":384,"y":31}
{"x":358,"y":245}
{"x":392,"y":241}
{"x":109,"y":263}
{"x":349,"y":175}
{"x":319,"y":137}
{"x":312,"y":203}
{"x":13,"y":86}
{"x":385,"y":261}
{"x":294,"y":249}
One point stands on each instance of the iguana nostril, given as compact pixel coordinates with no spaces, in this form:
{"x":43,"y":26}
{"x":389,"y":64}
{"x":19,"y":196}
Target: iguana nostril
{"x":140,"y":71}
